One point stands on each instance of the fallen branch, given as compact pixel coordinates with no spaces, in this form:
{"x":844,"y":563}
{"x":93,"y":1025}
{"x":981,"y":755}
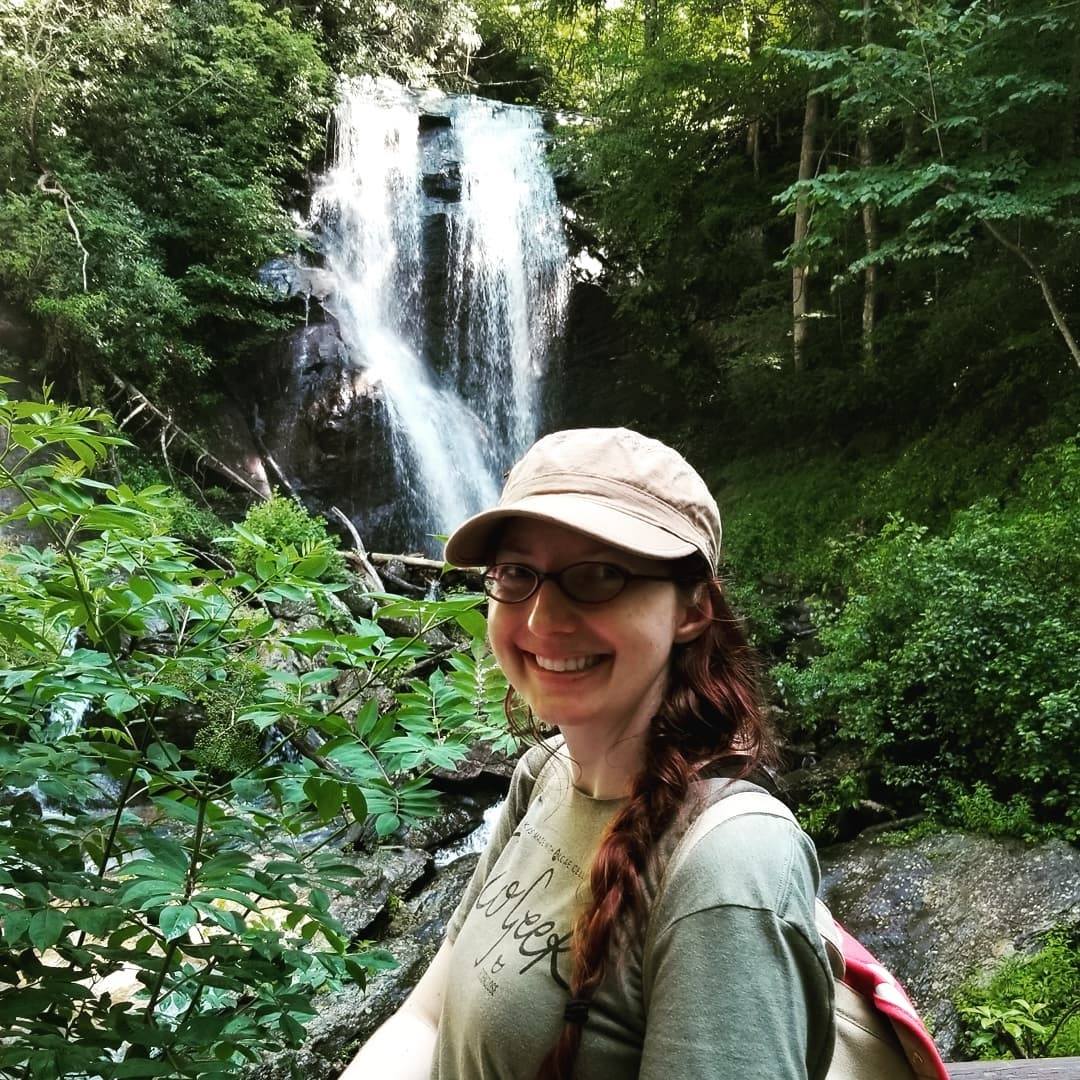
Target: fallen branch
{"x":418,"y":562}
{"x":360,"y":555}
{"x":58,"y":189}
{"x":142,"y":402}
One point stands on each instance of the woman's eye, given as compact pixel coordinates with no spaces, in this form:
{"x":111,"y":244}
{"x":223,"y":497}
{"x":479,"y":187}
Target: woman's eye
{"x":511,"y":572}
{"x":604,"y":572}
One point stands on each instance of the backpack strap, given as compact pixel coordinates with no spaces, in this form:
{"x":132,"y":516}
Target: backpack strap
{"x":747,"y":800}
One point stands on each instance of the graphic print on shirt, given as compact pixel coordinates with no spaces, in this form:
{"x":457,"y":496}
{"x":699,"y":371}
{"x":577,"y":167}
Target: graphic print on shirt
{"x":522,"y":912}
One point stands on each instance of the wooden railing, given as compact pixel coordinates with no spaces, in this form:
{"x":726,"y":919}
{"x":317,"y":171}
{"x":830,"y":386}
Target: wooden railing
{"x":1030,"y":1069}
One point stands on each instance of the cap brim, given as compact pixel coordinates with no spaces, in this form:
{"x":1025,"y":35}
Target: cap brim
{"x":471,"y":543}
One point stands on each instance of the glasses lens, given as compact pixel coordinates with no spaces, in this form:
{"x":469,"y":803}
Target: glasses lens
{"x":509,"y":582}
{"x":593,"y":582}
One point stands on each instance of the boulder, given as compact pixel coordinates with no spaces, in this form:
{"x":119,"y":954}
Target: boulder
{"x":943,"y":908}
{"x":345,"y":1020}
{"x":461,"y":814}
{"x":387,"y":872}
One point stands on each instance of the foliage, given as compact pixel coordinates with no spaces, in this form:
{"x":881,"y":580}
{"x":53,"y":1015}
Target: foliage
{"x":146,"y":151}
{"x":282,"y":524}
{"x":193,"y":514}
{"x":955,"y":655}
{"x":151,"y":152}
{"x":974,"y":77}
{"x":978,"y":811}
{"x":821,"y":817}
{"x":1030,"y":1005}
{"x":173,"y":917}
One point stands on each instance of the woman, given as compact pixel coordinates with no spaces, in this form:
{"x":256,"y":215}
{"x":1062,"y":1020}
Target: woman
{"x":571,"y":954}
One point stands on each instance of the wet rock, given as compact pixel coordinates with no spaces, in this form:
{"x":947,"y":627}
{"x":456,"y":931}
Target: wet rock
{"x":345,"y":1020}
{"x":444,"y":183}
{"x":462,"y":812}
{"x":323,"y":421}
{"x":946,"y":907}
{"x":432,"y":121}
{"x":482,"y":761}
{"x":287,"y":278}
{"x":386,"y":873}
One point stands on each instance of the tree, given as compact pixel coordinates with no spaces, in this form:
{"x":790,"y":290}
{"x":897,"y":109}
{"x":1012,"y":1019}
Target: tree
{"x":991,"y":86}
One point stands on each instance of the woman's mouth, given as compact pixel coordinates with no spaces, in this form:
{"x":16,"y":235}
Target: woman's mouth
{"x":566,"y":664}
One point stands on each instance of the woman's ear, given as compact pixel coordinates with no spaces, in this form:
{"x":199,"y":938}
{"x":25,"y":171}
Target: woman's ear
{"x":695,"y":614}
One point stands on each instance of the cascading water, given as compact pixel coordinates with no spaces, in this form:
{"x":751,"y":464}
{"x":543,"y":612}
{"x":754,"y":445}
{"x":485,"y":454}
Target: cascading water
{"x":458,"y":373}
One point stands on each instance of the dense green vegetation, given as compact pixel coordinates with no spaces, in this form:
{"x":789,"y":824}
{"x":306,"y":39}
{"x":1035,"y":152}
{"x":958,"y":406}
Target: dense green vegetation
{"x":150,"y":154}
{"x":1029,"y":1006}
{"x":844,"y":235}
{"x":165,"y":871}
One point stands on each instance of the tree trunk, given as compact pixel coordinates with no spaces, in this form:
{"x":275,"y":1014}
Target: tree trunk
{"x":753,"y":145}
{"x":1043,"y":282}
{"x":754,"y":30}
{"x":800,"y":272}
{"x":870,"y":228}
{"x":1068,"y":134}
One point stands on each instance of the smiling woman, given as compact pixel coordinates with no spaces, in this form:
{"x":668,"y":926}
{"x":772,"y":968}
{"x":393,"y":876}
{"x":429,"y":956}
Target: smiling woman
{"x":611,"y":627}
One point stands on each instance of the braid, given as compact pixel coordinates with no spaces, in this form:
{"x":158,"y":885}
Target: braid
{"x":615,"y":882}
{"x":711,"y":711}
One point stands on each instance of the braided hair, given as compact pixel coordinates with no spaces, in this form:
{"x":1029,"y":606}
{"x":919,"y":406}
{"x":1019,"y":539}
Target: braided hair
{"x":711,"y":713}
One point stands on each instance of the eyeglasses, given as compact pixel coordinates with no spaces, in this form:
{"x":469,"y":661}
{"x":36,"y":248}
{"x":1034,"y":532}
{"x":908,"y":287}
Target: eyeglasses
{"x":584,"y":582}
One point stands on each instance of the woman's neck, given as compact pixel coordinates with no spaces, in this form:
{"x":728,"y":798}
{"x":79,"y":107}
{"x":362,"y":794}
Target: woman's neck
{"x":603,"y":767}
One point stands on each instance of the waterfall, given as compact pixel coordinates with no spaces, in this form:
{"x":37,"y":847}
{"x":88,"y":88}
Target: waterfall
{"x":456,"y":352}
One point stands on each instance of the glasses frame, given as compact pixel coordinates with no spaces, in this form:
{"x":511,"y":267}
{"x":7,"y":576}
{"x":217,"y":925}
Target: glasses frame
{"x":540,"y":576}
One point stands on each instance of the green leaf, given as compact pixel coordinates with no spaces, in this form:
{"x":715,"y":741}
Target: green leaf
{"x":473,"y":623}
{"x":175,"y":922}
{"x":326,"y":795}
{"x":357,"y":803}
{"x":16,"y":923}
{"x":46,"y":928}
{"x":385,"y":824}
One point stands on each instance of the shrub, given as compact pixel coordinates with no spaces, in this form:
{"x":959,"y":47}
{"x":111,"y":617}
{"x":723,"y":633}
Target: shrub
{"x":282,"y":524}
{"x":1030,"y":1006}
{"x":193,"y":881}
{"x":959,"y":655}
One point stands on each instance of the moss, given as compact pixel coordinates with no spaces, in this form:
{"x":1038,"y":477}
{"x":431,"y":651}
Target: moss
{"x":224,"y":743}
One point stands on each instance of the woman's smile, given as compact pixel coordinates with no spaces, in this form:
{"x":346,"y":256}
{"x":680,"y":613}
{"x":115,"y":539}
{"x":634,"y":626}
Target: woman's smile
{"x":572,"y":665}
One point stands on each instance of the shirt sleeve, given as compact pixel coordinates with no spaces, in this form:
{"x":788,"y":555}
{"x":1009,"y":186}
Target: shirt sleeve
{"x":737,"y":982}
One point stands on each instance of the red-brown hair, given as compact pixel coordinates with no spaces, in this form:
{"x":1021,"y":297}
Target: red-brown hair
{"x":711,"y":713}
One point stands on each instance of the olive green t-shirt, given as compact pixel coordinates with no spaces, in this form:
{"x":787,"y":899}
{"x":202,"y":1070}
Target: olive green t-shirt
{"x":727,"y":979}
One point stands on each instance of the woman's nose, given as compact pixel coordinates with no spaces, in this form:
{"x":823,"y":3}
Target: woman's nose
{"x":552,"y":610}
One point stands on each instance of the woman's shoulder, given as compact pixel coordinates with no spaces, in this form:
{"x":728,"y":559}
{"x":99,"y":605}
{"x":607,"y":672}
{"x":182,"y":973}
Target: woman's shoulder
{"x":757,"y":858}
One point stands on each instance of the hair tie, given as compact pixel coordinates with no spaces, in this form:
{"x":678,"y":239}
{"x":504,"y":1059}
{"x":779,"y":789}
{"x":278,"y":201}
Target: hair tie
{"x":576,"y":1011}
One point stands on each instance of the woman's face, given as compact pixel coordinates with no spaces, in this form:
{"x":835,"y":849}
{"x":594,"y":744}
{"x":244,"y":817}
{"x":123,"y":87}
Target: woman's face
{"x":624,"y":644}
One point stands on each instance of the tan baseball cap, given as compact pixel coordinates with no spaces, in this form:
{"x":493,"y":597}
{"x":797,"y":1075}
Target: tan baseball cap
{"x":625,"y":489}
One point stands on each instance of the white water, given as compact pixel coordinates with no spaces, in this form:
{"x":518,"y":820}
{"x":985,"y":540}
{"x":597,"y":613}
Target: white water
{"x":454,"y":433}
{"x":476,"y":841}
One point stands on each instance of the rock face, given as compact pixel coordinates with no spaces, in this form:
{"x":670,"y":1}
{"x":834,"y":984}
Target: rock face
{"x":945,"y":907}
{"x":345,"y":1020}
{"x":322,"y":421}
